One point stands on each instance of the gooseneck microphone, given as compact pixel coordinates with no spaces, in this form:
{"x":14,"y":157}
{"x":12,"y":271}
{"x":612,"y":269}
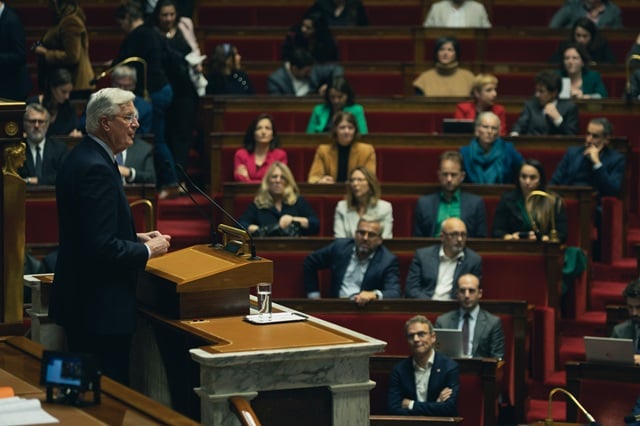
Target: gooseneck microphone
{"x":214,"y":203}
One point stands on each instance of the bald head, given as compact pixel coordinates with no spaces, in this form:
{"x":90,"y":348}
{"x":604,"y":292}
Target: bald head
{"x":453,"y":236}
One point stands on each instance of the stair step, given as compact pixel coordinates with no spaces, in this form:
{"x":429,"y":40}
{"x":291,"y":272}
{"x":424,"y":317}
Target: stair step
{"x":183,"y":208}
{"x":592,"y":323}
{"x":540,"y":390}
{"x":623,"y":270}
{"x":605,"y":293}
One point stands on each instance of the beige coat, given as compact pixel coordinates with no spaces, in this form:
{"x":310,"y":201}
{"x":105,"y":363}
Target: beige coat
{"x":325,"y":162}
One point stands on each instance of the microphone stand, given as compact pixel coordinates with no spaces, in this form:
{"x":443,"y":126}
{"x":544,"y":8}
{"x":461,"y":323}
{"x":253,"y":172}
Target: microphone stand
{"x":123,"y":62}
{"x":252,"y":246}
{"x":553,"y":233}
{"x":549,"y":420}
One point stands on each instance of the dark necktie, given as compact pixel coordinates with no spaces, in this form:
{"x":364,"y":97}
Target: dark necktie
{"x":38,"y":163}
{"x":465,"y":333}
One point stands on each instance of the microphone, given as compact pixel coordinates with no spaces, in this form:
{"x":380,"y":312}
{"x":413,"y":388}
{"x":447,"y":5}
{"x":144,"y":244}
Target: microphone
{"x":214,"y":203}
{"x":549,"y":420}
{"x":123,"y":62}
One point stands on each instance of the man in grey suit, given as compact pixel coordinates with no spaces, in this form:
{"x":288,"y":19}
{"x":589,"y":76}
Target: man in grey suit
{"x":137,"y":166}
{"x":630,"y":329}
{"x":434,"y":271}
{"x":450,"y":201}
{"x":485,"y":337}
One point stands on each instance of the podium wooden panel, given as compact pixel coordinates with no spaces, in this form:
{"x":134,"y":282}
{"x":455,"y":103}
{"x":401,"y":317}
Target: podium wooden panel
{"x":201,"y":281}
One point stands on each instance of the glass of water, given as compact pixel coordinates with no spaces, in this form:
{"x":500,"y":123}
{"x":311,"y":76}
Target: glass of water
{"x":263,"y":290}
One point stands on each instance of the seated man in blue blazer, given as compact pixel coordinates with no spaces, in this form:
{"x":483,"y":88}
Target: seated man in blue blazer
{"x":450,"y":201}
{"x":594,"y":164}
{"x":427,"y":382}
{"x":434,"y":271}
{"x":362,"y":269}
{"x":630,"y":329}
{"x":485,"y":337}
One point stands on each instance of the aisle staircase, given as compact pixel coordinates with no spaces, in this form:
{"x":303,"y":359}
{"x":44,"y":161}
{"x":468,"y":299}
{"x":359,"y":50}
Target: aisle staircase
{"x":608,"y":282}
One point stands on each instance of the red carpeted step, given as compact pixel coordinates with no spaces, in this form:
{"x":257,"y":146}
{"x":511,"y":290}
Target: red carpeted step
{"x":592,"y":323}
{"x":605,"y":293}
{"x":183,"y":208}
{"x":622,"y":270}
{"x":540,"y":390}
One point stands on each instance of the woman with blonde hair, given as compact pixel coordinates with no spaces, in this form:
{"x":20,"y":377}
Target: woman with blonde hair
{"x":278,"y":209}
{"x":484,"y":92}
{"x":362,"y":198}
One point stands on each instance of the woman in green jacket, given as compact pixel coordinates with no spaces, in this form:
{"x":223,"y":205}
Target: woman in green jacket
{"x":338,"y":97}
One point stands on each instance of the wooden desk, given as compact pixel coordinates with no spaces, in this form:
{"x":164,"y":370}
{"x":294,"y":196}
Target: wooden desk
{"x":120,"y":405}
{"x":271,"y":363}
{"x":607,"y":391}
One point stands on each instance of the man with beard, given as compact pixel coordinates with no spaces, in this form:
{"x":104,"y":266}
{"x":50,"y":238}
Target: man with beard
{"x":630,"y":329}
{"x":362,"y":269}
{"x":435,"y":270}
{"x":484,"y":335}
{"x":427,"y":382}
{"x":450,"y":201}
{"x":44,"y":156}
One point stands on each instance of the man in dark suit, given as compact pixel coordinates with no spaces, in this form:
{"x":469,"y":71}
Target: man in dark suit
{"x":44,"y":156}
{"x":362,"y":269}
{"x":434,"y":271}
{"x":545,"y":114}
{"x":433,"y":209}
{"x":14,"y":78}
{"x":137,"y":164}
{"x":94,"y":290}
{"x":594,"y":164}
{"x":630,"y":329}
{"x":485,"y":337}
{"x":427,"y":382}
{"x":300,"y":76}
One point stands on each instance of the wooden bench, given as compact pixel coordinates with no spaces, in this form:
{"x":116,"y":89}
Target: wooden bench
{"x":607,"y":391}
{"x":512,"y":270}
{"x":323,"y":198}
{"x":385,"y":320}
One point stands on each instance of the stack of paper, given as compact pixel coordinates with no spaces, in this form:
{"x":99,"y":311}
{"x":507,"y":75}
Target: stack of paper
{"x":15,"y":411}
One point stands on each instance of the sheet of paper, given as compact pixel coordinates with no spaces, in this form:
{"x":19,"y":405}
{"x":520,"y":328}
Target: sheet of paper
{"x":16,"y":411}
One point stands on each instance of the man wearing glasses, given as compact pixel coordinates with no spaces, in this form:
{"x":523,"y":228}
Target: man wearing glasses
{"x":435,"y":270}
{"x":427,"y":382}
{"x":362,"y":269}
{"x":44,"y":156}
{"x":93,"y":296}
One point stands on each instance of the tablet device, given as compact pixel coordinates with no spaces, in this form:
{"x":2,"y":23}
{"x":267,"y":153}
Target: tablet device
{"x":449,"y":342}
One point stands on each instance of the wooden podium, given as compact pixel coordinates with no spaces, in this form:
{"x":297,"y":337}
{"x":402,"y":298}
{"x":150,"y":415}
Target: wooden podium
{"x":201,"y":281}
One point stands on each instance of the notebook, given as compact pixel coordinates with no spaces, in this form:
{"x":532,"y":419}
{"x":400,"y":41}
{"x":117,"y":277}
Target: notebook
{"x":458,"y":125}
{"x":609,"y":350}
{"x":449,"y":342}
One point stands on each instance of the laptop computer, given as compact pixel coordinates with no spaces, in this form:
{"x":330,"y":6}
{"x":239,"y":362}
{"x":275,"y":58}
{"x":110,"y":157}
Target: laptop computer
{"x":449,"y":342}
{"x":609,"y":350}
{"x":458,"y":125}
